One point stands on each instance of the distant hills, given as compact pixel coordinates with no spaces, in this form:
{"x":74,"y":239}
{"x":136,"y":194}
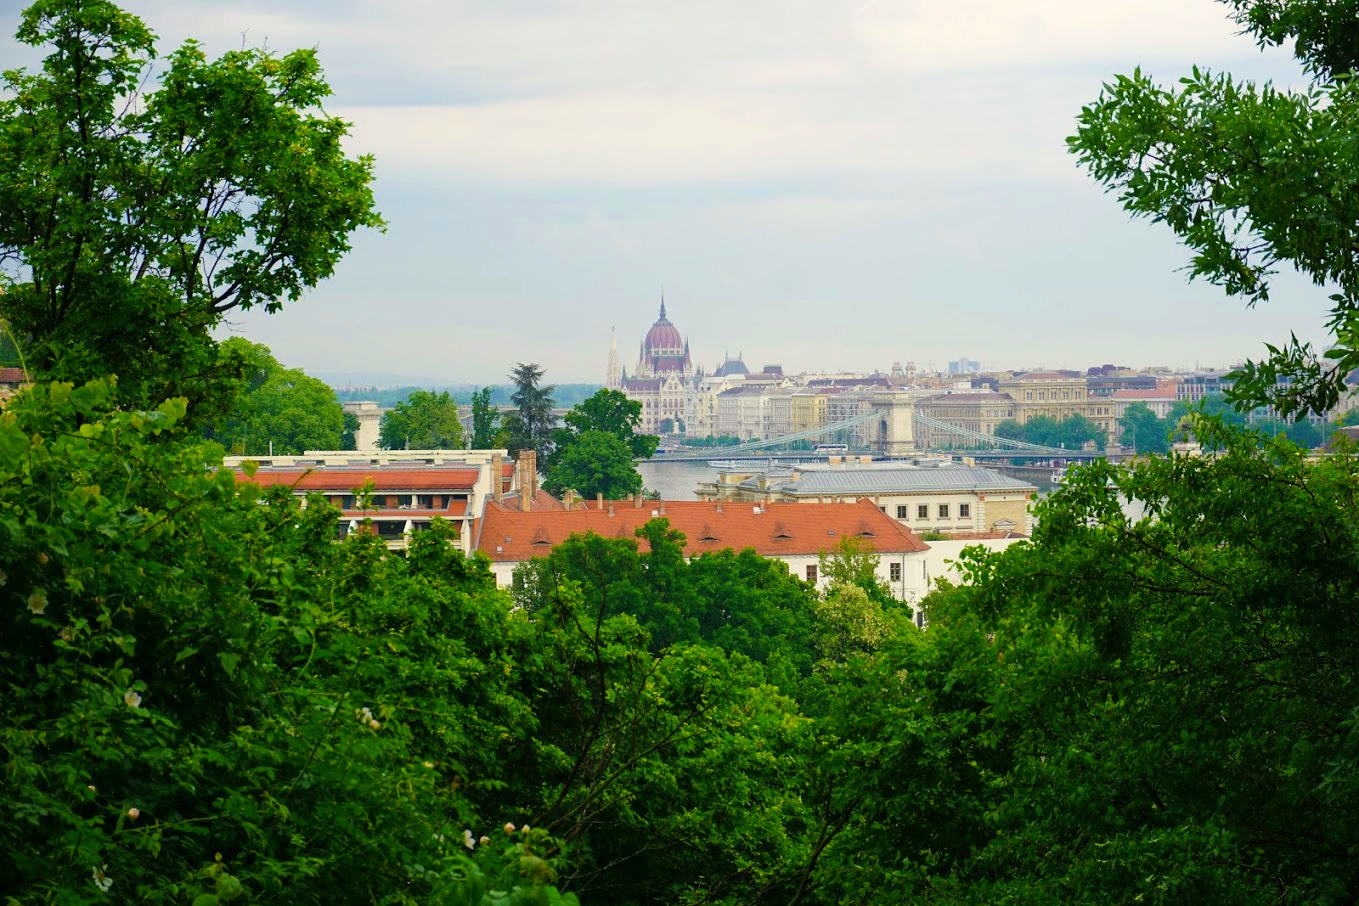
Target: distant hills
{"x":389,"y":394}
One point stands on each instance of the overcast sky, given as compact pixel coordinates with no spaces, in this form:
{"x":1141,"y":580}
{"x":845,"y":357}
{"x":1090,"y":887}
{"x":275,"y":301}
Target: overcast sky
{"x":826,"y":185}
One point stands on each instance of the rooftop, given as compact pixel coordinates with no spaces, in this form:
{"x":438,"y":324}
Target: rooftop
{"x":854,"y":479}
{"x":346,"y":479}
{"x":780,"y":530}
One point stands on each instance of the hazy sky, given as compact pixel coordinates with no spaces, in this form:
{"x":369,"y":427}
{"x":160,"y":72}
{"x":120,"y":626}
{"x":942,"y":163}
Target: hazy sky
{"x":820,"y":184}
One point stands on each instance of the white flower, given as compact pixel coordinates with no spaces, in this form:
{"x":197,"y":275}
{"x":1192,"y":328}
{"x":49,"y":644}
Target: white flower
{"x":484,"y":840}
{"x":37,"y":602}
{"x":526,"y":828}
{"x":374,"y":724}
{"x":509,"y":827}
{"x":430,"y":765}
{"x":467,"y":840}
{"x":134,"y":813}
{"x":101,"y":880}
{"x":92,"y":789}
{"x":132,"y":699}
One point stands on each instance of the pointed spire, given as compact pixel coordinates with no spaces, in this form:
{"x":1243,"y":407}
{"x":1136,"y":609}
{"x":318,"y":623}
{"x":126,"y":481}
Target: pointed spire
{"x":662,"y":305}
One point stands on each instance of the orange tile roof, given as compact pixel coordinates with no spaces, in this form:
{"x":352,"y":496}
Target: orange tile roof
{"x":779,"y":530}
{"x":13,"y":376}
{"x":541,"y":500}
{"x":1160,"y":393}
{"x":384,"y":480}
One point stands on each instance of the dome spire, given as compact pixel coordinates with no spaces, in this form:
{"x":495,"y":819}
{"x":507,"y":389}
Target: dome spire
{"x":662,"y":305}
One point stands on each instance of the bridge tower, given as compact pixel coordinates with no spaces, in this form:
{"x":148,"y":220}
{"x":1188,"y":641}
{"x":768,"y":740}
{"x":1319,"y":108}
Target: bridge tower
{"x":891,"y":433}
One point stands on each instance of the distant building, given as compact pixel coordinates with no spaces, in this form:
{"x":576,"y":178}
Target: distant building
{"x":798,"y":536}
{"x":663,"y":379}
{"x":924,"y":494}
{"x":964,"y":366}
{"x":369,"y":414}
{"x":12,"y":380}
{"x":979,"y":412}
{"x":410,"y":487}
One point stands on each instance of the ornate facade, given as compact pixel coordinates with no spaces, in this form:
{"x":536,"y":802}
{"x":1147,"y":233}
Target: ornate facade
{"x":664,"y":380}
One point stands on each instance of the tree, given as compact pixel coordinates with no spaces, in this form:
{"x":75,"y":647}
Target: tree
{"x":1253,"y":179}
{"x":133,"y":220}
{"x":423,"y":421}
{"x":280,"y":409}
{"x":530,"y":425}
{"x":1128,"y":708}
{"x":594,"y":463}
{"x":1144,"y":431}
{"x":485,"y":419}
{"x":349,"y":438}
{"x":608,"y":412}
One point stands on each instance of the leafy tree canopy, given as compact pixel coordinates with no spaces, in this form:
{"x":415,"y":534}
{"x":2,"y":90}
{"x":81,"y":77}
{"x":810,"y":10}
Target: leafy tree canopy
{"x":282,"y":407}
{"x":1071,"y":433}
{"x":132,"y":219}
{"x":593,"y":463}
{"x":485,"y":420}
{"x":1252,"y":179}
{"x":530,"y":426}
{"x":424,"y":421}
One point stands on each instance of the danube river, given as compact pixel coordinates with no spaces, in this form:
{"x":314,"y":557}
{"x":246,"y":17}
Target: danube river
{"x":675,"y":480}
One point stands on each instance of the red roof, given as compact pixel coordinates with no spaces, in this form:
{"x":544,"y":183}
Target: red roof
{"x":788,"y":529}
{"x":1160,"y":393}
{"x":384,"y":480}
{"x":13,"y":376}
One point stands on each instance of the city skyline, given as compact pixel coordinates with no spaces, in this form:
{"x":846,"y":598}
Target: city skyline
{"x":825,"y":186}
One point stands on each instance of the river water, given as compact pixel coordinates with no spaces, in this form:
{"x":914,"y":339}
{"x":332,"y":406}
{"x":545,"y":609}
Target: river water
{"x":675,"y":480}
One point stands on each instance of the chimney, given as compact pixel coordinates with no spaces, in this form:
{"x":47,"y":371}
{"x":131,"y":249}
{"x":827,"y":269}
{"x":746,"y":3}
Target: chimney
{"x":719,"y":506}
{"x":599,"y":501}
{"x":497,"y":482}
{"x":532,"y":468}
{"x":637,"y":502}
{"x":568,"y":498}
{"x":610,"y":507}
{"x":662,"y":507}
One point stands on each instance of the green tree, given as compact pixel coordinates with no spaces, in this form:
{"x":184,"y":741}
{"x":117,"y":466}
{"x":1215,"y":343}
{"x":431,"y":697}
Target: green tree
{"x":280,"y":409}
{"x":1144,"y":431}
{"x":530,"y":425}
{"x":608,"y":412}
{"x":423,"y":421}
{"x":1253,"y":179}
{"x":485,"y":420}
{"x":132,"y":220}
{"x":594,"y":463}
{"x":349,"y":438}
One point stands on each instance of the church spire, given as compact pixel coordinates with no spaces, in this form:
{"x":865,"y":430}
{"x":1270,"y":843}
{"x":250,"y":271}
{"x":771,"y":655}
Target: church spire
{"x":662,"y":305}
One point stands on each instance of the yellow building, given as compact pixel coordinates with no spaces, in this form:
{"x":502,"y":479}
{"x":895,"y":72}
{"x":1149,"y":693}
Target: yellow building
{"x":1047,"y":393}
{"x":980,"y":412}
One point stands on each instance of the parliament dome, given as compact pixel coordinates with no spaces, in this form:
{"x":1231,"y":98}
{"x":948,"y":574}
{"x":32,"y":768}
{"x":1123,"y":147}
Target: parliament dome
{"x":663,"y":338}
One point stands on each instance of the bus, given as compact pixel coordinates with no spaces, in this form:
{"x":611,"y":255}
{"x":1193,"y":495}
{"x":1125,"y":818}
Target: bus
{"x":831,"y":449}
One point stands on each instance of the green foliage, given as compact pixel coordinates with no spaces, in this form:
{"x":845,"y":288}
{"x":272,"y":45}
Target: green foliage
{"x":209,"y":697}
{"x":485,"y":420}
{"x":133,"y":220}
{"x":1070,"y":433}
{"x":1252,"y":179}
{"x":424,"y":421}
{"x":530,"y":426}
{"x":1125,"y":710}
{"x":594,"y":463}
{"x":594,"y":452}
{"x":284,"y":407}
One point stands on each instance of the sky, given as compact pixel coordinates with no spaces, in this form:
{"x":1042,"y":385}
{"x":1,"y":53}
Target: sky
{"x":823,"y":185}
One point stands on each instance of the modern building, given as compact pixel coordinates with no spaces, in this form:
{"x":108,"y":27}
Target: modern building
{"x":409,"y":488}
{"x":923,"y":494}
{"x":798,"y":536}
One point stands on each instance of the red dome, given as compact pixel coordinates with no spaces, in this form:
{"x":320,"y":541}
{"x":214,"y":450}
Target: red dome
{"x":663,"y":335}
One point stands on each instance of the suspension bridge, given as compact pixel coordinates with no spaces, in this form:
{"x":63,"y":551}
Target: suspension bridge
{"x":988,"y":446}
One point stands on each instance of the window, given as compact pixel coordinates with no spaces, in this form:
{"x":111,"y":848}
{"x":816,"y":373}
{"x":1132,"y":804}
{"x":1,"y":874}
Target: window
{"x":922,"y":511}
{"x":811,"y":573}
{"x":964,"y":511}
{"x":894,"y":570}
{"x":884,"y":509}
{"x":943,"y":511}
{"x":903,"y":512}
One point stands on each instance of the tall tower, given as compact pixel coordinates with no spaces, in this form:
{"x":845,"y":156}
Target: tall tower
{"x":614,"y":379}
